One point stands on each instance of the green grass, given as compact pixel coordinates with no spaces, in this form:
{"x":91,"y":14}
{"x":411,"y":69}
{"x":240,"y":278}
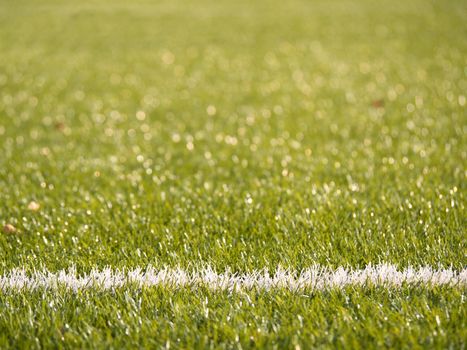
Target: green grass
{"x":188,"y":319}
{"x":243,"y":134}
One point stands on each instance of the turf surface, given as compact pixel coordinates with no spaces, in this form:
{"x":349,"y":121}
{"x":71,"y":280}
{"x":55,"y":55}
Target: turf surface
{"x":245,"y":135}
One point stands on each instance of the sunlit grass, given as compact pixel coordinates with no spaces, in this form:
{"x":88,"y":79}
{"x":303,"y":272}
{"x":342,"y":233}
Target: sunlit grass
{"x":243,"y":135}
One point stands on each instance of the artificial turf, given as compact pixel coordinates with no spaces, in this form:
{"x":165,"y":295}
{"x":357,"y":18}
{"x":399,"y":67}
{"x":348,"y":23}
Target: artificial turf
{"x":240,"y":134}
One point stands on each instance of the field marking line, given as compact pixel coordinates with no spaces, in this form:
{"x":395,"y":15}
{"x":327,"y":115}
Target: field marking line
{"x":314,"y":278}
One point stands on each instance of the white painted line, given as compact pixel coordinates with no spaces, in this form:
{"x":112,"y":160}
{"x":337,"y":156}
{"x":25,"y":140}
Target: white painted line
{"x":314,"y":278}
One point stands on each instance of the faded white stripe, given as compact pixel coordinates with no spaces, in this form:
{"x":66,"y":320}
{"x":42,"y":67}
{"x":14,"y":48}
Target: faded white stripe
{"x":314,"y":278}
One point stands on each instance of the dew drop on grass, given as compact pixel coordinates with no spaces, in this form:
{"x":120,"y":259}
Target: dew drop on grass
{"x":211,"y":110}
{"x":34,"y":206}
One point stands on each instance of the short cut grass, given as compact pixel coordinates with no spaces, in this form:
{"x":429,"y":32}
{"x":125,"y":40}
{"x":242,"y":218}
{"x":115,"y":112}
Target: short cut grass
{"x":244,"y":135}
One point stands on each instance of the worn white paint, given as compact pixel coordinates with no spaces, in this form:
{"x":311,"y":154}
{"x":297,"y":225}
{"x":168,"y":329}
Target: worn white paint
{"x":313,"y":278}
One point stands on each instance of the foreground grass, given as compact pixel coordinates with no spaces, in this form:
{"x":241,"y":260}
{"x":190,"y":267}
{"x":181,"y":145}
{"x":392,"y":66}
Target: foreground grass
{"x":241,"y":134}
{"x":414,"y":318}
